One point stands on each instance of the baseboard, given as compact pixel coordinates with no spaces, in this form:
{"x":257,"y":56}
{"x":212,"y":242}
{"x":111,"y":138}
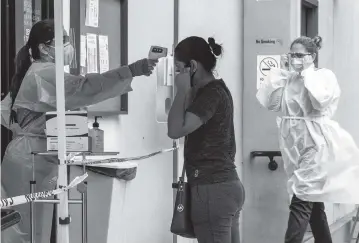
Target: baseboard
{"x":339,"y":230}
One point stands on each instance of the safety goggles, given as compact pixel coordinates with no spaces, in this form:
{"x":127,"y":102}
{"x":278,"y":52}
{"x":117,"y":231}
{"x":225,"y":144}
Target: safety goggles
{"x":298,"y":55}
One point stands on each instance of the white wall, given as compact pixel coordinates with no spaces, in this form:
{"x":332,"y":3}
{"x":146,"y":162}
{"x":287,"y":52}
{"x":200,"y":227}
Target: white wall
{"x":149,"y":198}
{"x":341,"y":54}
{"x":149,"y":202}
{"x":345,"y":63}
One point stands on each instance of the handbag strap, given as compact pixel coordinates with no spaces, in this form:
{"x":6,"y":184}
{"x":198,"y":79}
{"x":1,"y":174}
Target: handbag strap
{"x":183,"y":173}
{"x":183,"y":168}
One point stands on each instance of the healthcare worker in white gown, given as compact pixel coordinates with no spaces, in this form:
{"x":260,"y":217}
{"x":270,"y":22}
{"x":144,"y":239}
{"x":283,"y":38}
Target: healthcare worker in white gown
{"x":320,"y":158}
{"x":32,"y":94}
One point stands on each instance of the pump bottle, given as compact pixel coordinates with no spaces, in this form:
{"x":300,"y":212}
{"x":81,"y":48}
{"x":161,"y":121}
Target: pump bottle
{"x":97,"y":137}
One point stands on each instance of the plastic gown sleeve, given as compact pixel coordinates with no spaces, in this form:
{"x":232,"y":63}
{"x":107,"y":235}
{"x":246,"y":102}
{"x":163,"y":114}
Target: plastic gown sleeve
{"x":82,"y":91}
{"x":322,"y":86}
{"x":6,"y":111}
{"x":270,"y":93}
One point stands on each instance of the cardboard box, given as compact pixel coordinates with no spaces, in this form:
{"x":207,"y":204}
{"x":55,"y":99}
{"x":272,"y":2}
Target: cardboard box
{"x":76,"y":127}
{"x":73,"y":144}
{"x":76,"y":124}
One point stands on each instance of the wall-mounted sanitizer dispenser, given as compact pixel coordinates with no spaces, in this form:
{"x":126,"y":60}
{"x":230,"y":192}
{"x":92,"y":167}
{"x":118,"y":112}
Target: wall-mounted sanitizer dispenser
{"x":164,"y":89}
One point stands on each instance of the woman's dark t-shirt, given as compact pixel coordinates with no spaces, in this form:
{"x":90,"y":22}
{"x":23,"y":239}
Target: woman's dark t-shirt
{"x":209,"y":151}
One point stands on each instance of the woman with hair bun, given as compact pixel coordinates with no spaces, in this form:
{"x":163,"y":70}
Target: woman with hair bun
{"x":320,"y":158}
{"x":202,"y":112}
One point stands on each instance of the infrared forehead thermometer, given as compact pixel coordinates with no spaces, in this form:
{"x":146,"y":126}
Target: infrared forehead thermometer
{"x":156,"y":52}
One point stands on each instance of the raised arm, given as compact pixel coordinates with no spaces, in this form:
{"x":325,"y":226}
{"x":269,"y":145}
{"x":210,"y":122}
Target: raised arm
{"x":81,"y":91}
{"x":94,"y":88}
{"x":271,"y":92}
{"x":5,"y":111}
{"x":322,"y":86}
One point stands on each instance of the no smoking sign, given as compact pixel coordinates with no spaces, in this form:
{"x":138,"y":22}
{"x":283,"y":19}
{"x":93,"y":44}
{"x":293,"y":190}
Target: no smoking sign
{"x":264,"y":64}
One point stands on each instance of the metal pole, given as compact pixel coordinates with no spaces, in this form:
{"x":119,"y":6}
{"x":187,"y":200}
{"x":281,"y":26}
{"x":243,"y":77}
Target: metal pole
{"x":353,"y":225}
{"x":63,"y":207}
{"x":175,"y":142}
{"x":86,"y":223}
{"x":57,"y":201}
{"x":83,"y":217}
{"x":32,"y":190}
{"x":84,"y":210}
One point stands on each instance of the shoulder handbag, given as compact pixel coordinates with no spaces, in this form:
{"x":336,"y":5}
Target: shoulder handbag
{"x":181,"y":220}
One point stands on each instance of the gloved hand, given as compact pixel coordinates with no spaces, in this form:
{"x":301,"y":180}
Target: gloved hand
{"x":284,"y":62}
{"x":142,"y":67}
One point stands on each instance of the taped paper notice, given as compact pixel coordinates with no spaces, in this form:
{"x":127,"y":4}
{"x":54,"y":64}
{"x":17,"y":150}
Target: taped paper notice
{"x":75,"y":161}
{"x":12,"y":201}
{"x":92,"y":12}
{"x":83,"y":51}
{"x":104,"y":55}
{"x":91,"y":41}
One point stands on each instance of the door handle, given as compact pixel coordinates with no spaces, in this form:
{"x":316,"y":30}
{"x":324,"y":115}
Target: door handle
{"x":272,"y":165}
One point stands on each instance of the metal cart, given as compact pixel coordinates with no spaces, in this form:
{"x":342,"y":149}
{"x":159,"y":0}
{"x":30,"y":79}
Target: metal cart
{"x":82,"y":188}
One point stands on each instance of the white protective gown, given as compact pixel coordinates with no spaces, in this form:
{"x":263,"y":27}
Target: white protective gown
{"x":36,"y":96}
{"x":320,"y":158}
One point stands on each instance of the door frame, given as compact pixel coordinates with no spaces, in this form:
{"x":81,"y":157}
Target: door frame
{"x":310,"y":3}
{"x":311,"y":8}
{"x":311,"y":21}
{"x":8,"y":49}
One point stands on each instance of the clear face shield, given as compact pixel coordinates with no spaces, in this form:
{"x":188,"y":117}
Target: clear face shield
{"x":70,"y":50}
{"x":70,"y":60}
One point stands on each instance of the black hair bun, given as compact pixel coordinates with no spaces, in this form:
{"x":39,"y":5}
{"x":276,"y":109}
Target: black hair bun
{"x":216,"y":48}
{"x":318,"y":41}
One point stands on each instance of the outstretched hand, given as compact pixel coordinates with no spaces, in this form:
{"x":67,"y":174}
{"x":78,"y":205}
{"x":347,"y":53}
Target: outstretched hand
{"x":143,"y":67}
{"x":151,"y":64}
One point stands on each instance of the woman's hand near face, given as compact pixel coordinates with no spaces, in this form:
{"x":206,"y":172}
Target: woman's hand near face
{"x":183,"y":81}
{"x":284,"y":62}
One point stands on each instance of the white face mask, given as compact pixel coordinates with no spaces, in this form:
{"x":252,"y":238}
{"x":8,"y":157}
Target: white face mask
{"x":68,"y":54}
{"x":297,"y":63}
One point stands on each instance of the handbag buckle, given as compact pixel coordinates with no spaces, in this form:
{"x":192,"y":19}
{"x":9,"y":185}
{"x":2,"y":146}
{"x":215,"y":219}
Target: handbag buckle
{"x":180,"y":186}
{"x":180,"y":208}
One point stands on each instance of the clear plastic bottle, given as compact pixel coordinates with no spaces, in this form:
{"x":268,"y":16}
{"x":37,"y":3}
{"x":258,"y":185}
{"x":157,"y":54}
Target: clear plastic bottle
{"x":97,"y":137}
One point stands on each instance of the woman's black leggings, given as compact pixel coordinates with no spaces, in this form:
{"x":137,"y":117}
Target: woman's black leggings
{"x":302,"y":213}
